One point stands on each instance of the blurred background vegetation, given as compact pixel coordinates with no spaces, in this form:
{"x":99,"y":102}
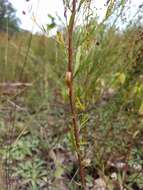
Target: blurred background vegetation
{"x":36,"y":147}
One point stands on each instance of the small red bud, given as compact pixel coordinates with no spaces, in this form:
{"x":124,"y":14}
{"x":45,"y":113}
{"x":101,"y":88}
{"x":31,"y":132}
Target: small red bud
{"x":23,"y":12}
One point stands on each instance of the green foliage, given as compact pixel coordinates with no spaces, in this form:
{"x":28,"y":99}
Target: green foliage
{"x":8,"y":20}
{"x":32,"y":173}
{"x":24,"y":147}
{"x":108,"y":88}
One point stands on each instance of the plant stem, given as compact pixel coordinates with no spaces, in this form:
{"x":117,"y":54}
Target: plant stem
{"x":71,"y":93}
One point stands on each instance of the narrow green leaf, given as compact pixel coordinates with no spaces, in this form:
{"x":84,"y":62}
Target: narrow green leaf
{"x":77,"y":61}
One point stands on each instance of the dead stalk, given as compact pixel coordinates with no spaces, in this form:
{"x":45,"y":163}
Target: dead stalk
{"x":69,"y":80}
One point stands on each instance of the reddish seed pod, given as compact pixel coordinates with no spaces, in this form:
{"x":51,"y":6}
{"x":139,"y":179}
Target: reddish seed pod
{"x":68,"y":78}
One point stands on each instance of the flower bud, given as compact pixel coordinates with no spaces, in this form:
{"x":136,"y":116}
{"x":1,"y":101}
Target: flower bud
{"x":68,"y":78}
